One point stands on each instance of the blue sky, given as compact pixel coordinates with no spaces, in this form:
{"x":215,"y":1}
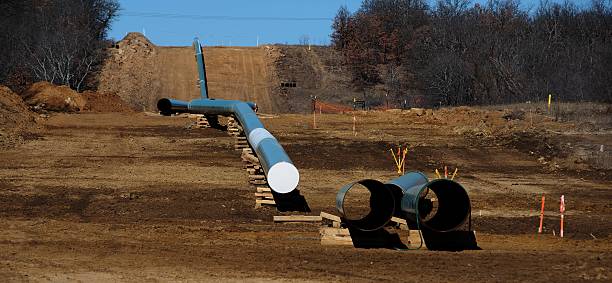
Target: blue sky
{"x":232,"y":22}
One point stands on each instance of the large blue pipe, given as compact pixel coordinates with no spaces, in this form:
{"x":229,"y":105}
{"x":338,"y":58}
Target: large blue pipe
{"x":281,"y":174}
{"x":202,"y":82}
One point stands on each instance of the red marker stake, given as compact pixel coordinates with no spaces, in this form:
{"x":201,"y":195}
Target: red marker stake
{"x":562,"y":211}
{"x":542,"y":214}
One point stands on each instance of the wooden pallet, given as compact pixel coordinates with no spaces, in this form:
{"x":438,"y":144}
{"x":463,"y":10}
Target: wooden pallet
{"x":334,"y":233}
{"x":201,"y":122}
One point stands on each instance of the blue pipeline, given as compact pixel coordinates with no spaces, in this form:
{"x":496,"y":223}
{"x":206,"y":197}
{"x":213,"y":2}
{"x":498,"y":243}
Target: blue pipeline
{"x":202,"y":82}
{"x":281,"y":174}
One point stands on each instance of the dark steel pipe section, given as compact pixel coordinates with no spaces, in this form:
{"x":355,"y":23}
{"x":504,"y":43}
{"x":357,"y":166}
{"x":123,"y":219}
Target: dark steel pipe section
{"x":440,"y":205}
{"x":281,"y":174}
{"x":382,"y":205}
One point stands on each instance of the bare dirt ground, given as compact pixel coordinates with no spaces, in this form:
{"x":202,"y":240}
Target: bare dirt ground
{"x":137,"y":197}
{"x":240,"y":74}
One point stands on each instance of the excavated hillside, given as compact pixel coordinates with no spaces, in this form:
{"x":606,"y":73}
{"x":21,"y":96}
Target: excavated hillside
{"x":279,"y":79}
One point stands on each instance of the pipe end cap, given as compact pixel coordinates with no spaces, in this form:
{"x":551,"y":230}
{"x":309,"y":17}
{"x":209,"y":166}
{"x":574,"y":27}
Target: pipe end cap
{"x":283,"y":177}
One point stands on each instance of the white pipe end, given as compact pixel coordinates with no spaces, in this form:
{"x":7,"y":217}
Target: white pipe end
{"x":283,"y":177}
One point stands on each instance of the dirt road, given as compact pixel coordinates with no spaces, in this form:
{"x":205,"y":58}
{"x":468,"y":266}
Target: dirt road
{"x":135,"y":197}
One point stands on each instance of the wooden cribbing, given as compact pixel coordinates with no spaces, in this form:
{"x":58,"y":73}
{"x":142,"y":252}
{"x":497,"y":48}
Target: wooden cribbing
{"x":297,"y":218}
{"x":250,"y":158}
{"x":264,"y":195}
{"x":265,"y":201}
{"x":263,"y":189}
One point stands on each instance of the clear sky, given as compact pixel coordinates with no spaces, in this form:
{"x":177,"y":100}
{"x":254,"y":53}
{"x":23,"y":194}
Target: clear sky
{"x":233,"y":22}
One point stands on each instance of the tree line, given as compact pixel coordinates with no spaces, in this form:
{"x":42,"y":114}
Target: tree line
{"x":467,"y":54}
{"x":60,"y":41}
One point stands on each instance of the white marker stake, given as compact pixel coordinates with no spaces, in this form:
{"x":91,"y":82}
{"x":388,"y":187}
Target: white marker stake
{"x":562,"y":210}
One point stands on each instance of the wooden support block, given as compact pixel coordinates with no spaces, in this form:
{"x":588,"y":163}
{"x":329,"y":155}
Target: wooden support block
{"x":264,"y":195}
{"x":399,"y":220}
{"x":252,"y":166}
{"x":263,"y":189}
{"x":414,"y":238}
{"x":257,"y":177}
{"x":250,"y":157}
{"x":297,"y":218}
{"x":258,"y":182}
{"x":331,"y":217}
{"x":335,"y":236}
{"x":265,"y":201}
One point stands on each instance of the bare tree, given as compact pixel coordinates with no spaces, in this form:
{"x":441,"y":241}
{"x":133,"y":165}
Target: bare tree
{"x":481,"y":54}
{"x":60,"y":41}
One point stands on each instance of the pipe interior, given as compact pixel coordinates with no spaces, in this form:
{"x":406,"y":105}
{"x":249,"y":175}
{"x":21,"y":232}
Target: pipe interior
{"x":381,"y":205}
{"x":444,"y":205}
{"x":164,"y":105}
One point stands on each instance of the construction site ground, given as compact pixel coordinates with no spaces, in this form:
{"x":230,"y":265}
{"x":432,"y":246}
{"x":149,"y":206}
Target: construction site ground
{"x":140,"y":197}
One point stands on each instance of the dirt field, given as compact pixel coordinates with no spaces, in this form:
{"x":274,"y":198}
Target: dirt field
{"x":137,"y":197}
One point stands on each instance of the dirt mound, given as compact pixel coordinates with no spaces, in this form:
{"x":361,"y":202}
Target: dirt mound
{"x":45,"y":96}
{"x":16,"y":120}
{"x":105,"y":102}
{"x":131,"y":72}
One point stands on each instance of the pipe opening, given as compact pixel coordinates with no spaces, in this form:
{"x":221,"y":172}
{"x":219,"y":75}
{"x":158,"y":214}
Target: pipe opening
{"x":164,"y":106}
{"x":357,"y":202}
{"x":366,"y":205}
{"x":443,"y":205}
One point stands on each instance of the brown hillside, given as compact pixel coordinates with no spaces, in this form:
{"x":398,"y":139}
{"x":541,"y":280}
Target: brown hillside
{"x":141,"y":73}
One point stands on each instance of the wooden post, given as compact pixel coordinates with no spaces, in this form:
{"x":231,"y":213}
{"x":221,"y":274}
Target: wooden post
{"x":542,"y":214}
{"x":562,"y":211}
{"x":549,"y":103}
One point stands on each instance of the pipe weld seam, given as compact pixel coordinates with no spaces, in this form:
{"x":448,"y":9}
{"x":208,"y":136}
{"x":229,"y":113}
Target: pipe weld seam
{"x":256,"y":136}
